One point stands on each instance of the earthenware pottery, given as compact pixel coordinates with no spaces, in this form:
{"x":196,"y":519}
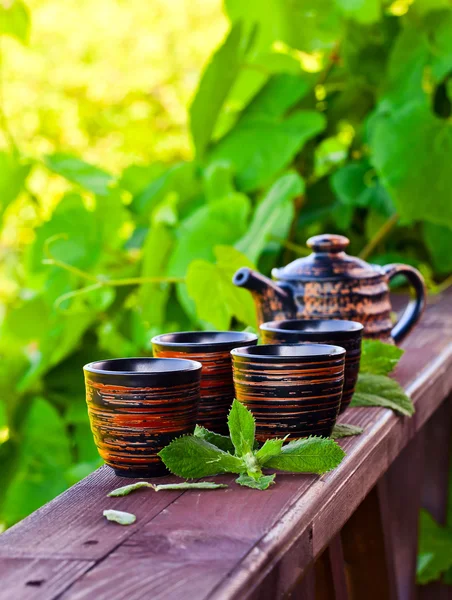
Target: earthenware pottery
{"x":291,"y":389}
{"x":329,"y":284}
{"x":136,"y":406}
{"x":347,"y":334}
{"x":213,"y":350}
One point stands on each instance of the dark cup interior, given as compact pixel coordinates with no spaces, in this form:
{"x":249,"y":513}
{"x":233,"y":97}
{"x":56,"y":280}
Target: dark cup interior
{"x":294,"y":352}
{"x":314,"y":328}
{"x":139,"y":371}
{"x":129,"y":366}
{"x":204,"y":340}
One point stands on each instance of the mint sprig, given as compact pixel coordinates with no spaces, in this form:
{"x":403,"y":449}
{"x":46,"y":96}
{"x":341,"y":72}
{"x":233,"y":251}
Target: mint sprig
{"x":206,"y":453}
{"x":379,"y":358}
{"x":374,"y":387}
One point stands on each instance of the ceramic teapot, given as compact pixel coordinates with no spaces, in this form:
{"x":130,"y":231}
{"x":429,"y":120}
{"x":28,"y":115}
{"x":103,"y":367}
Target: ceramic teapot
{"x":331,"y":284}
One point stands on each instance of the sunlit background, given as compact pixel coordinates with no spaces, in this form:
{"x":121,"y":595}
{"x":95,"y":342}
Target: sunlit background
{"x":126,"y":206}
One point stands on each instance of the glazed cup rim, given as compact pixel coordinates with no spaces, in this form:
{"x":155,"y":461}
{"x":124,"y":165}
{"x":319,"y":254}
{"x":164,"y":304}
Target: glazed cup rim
{"x":333,"y":326}
{"x":236,"y":337}
{"x":311,"y":351}
{"x":190,"y":365}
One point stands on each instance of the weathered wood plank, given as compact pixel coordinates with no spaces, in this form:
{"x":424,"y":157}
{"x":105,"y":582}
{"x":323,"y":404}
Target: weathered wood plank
{"x":437,"y":434}
{"x":38,"y":579}
{"x":72,"y":525}
{"x":236,"y":543}
{"x":370,"y":574}
{"x":399,"y":492}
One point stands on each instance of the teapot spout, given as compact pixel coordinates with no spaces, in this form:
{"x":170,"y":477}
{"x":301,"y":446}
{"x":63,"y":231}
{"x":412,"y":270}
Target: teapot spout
{"x":273,"y":302}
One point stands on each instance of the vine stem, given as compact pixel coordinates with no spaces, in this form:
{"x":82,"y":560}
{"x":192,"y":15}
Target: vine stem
{"x":99,"y":280}
{"x":444,"y":285}
{"x":379,"y":236}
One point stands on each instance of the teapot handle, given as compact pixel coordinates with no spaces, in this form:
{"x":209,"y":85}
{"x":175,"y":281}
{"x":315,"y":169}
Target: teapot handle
{"x":415,"y":308}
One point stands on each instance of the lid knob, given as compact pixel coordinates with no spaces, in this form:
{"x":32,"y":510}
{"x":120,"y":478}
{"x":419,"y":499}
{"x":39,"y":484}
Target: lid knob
{"x":328,"y":242}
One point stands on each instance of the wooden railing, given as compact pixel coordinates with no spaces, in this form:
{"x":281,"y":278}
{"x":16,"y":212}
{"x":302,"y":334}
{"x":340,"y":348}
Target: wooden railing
{"x":349,"y":534}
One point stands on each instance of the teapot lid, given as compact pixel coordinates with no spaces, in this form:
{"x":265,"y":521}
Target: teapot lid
{"x":327,"y":261}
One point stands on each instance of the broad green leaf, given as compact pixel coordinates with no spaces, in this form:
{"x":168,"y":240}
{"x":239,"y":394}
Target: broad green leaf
{"x":218,"y":180}
{"x":329,"y":154}
{"x":425,"y":6}
{"x":280,"y":93}
{"x":263,"y":483}
{"x":79,"y":471}
{"x":13,"y":174}
{"x":309,"y":25}
{"x":152,"y":297}
{"x":219,"y":222}
{"x":220,"y":441}
{"x":438,"y":239}
{"x":379,"y":358}
{"x":260,"y":148}
{"x":254,"y":78}
{"x":270,"y":449}
{"x":356,"y":184}
{"x":15,"y":20}
{"x":309,"y":455}
{"x":214,"y":86}
{"x":363,"y":11}
{"x":341,"y":430}
{"x":43,"y":459}
{"x":71,"y":235}
{"x":119,"y":516}
{"x":180,"y":179}
{"x":125,"y":490}
{"x":77,"y":171}
{"x":408,"y":152}
{"x":199,"y":485}
{"x":191,"y":457}
{"x":217,"y":299}
{"x":136,"y":178}
{"x":20,"y":323}
{"x":204,"y":285}
{"x":3,"y":416}
{"x":241,"y":428}
{"x":274,"y":210}
{"x":435,"y":549}
{"x":379,"y":390}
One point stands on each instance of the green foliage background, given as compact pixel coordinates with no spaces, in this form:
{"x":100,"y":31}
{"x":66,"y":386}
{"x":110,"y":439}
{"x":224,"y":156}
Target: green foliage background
{"x":310,"y":116}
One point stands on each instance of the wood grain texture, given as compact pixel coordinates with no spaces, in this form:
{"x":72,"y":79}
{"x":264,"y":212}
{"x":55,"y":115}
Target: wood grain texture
{"x":400,"y":505}
{"x":369,"y":573}
{"x":234,"y":543}
{"x":37,"y":578}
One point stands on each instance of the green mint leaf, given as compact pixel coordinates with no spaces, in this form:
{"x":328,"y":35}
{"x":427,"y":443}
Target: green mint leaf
{"x":270,"y":449}
{"x":220,"y":441}
{"x":379,"y":390}
{"x":252,"y":466}
{"x":199,"y":485}
{"x":308,"y":455}
{"x":263,"y":483}
{"x":118,"y":516}
{"x":435,"y":549}
{"x":191,"y":457}
{"x":127,"y":489}
{"x":241,"y":428}
{"x":379,"y":358}
{"x":341,"y":430}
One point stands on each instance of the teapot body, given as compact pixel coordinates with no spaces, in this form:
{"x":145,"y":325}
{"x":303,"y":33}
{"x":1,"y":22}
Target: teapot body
{"x":330,"y":284}
{"x":364,"y":300}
